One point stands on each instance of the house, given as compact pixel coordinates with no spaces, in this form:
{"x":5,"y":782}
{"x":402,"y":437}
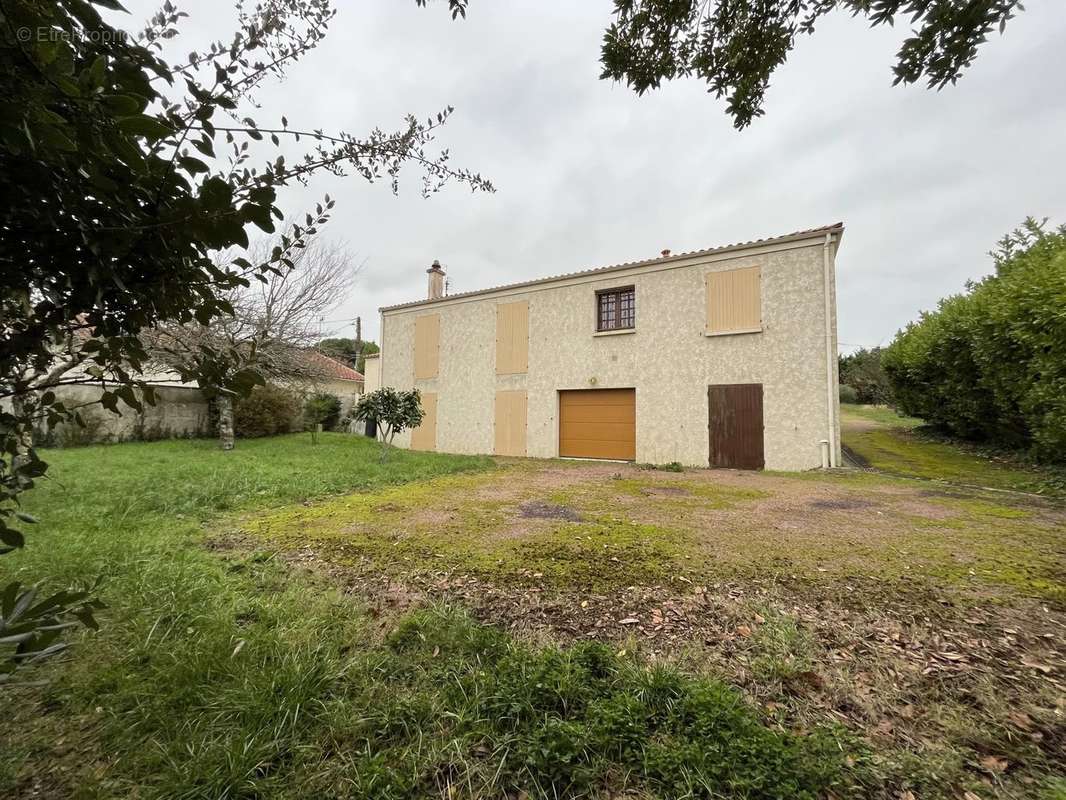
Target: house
{"x":371,"y":372}
{"x":336,"y":378}
{"x":724,"y":357}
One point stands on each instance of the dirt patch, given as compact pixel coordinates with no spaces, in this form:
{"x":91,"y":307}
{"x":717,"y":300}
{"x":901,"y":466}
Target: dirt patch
{"x":925,"y":510}
{"x":843,"y":504}
{"x":536,"y":509}
{"x":666,"y":491}
{"x":943,"y":493}
{"x":433,"y":516}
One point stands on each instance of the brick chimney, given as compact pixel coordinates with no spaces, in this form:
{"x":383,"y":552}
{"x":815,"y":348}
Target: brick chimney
{"x":436,"y":281}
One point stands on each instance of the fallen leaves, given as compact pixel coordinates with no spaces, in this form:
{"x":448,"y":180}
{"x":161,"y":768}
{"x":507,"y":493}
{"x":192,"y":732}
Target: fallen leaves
{"x":994,"y":764}
{"x":1045,"y":668}
{"x":883,"y":666}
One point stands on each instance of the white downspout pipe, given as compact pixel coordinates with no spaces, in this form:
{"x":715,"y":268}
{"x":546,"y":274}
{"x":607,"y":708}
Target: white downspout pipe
{"x":830,"y":388}
{"x":381,"y":349}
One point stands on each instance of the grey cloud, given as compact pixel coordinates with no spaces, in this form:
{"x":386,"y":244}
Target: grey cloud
{"x":589,"y":174}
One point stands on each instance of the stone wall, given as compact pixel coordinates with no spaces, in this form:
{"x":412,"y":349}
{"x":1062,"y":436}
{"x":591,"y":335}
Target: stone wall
{"x":179,"y":412}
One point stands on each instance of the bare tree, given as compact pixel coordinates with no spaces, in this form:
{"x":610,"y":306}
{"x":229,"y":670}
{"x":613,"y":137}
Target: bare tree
{"x":271,"y":332}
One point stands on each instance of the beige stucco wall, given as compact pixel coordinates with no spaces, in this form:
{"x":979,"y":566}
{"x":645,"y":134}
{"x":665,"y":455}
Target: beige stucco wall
{"x":346,"y":391}
{"x":668,"y":359}
{"x":372,"y":373}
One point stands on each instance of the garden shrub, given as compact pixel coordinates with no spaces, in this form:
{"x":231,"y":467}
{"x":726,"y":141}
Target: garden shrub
{"x":863,"y":373}
{"x":266,"y":411}
{"x":990,"y":364}
{"x":322,"y":409}
{"x":848,"y":394}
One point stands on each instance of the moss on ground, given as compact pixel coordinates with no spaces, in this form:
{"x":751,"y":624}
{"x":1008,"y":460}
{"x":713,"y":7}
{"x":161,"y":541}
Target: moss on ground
{"x":632,"y":530}
{"x":626,"y":530}
{"x":897,"y":445}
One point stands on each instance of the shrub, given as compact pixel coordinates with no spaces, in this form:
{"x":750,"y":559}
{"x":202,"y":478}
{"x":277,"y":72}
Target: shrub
{"x":266,"y":411}
{"x":322,"y":409}
{"x":990,"y":364}
{"x":391,"y":410}
{"x":848,"y":394}
{"x":862,"y":371}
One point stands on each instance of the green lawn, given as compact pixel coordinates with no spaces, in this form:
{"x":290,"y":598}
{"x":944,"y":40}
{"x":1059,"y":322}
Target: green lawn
{"x":895,"y":444}
{"x":227,"y":674}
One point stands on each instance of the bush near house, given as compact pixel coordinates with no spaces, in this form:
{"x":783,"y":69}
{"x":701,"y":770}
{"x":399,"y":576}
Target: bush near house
{"x":267,"y":411}
{"x":392,"y":411}
{"x":863,"y":374}
{"x":990,"y":364}
{"x":848,"y":394}
{"x":322,"y":408}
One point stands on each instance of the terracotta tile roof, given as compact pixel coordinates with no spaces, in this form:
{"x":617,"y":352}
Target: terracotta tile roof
{"x":333,"y":368}
{"x":837,"y":228}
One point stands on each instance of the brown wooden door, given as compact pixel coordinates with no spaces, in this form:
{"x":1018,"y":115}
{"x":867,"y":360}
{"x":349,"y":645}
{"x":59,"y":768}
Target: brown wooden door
{"x":598,"y":423}
{"x":735,"y":425}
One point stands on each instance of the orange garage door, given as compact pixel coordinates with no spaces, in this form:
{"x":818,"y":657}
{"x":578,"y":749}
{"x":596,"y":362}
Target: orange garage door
{"x":598,"y":423}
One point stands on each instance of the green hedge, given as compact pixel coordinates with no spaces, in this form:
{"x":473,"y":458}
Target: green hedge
{"x":267,"y":411}
{"x":990,"y":364}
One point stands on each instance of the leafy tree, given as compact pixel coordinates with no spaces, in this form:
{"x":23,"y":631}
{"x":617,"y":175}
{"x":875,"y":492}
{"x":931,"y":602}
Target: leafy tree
{"x":990,"y":364}
{"x":351,"y":351}
{"x":368,"y":349}
{"x":734,"y":46}
{"x":122,"y":175}
{"x":339,"y":348}
{"x":862,"y":372}
{"x":322,"y":408}
{"x":392,"y":411}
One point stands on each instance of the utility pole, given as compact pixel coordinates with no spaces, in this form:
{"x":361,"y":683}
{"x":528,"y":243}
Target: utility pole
{"x":358,"y":344}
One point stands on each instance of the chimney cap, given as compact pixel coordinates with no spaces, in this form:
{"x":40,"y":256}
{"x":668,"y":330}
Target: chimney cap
{"x":666,"y":252}
{"x":435,"y":267}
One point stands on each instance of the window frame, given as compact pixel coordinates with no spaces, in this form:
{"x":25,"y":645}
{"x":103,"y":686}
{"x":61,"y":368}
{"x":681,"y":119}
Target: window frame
{"x":618,"y":291}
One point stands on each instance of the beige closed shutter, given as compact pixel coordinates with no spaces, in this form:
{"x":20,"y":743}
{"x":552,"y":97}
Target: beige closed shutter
{"x":427,"y":346}
{"x":734,"y":301}
{"x":512,"y":338}
{"x":424,"y":437}
{"x":510,"y":423}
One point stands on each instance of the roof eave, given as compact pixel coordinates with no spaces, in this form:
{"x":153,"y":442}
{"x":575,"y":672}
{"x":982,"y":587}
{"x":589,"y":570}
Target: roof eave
{"x":813,"y":234}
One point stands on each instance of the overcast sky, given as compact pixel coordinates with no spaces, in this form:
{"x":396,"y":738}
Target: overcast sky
{"x":589,"y":174}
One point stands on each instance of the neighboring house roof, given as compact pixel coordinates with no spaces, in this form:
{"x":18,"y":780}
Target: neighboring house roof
{"x":836,"y":228}
{"x":333,"y":368}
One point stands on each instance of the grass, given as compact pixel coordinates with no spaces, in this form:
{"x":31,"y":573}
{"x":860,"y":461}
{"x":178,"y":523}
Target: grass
{"x":475,"y":524}
{"x":231,"y":676}
{"x":898,"y":445}
{"x":603,"y":529}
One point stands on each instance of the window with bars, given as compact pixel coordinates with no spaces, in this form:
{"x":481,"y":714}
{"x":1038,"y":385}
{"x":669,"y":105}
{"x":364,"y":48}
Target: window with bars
{"x":616,"y":309}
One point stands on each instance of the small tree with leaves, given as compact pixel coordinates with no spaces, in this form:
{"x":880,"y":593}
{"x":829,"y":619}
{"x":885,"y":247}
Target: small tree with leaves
{"x":122,"y":176}
{"x":391,"y":411}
